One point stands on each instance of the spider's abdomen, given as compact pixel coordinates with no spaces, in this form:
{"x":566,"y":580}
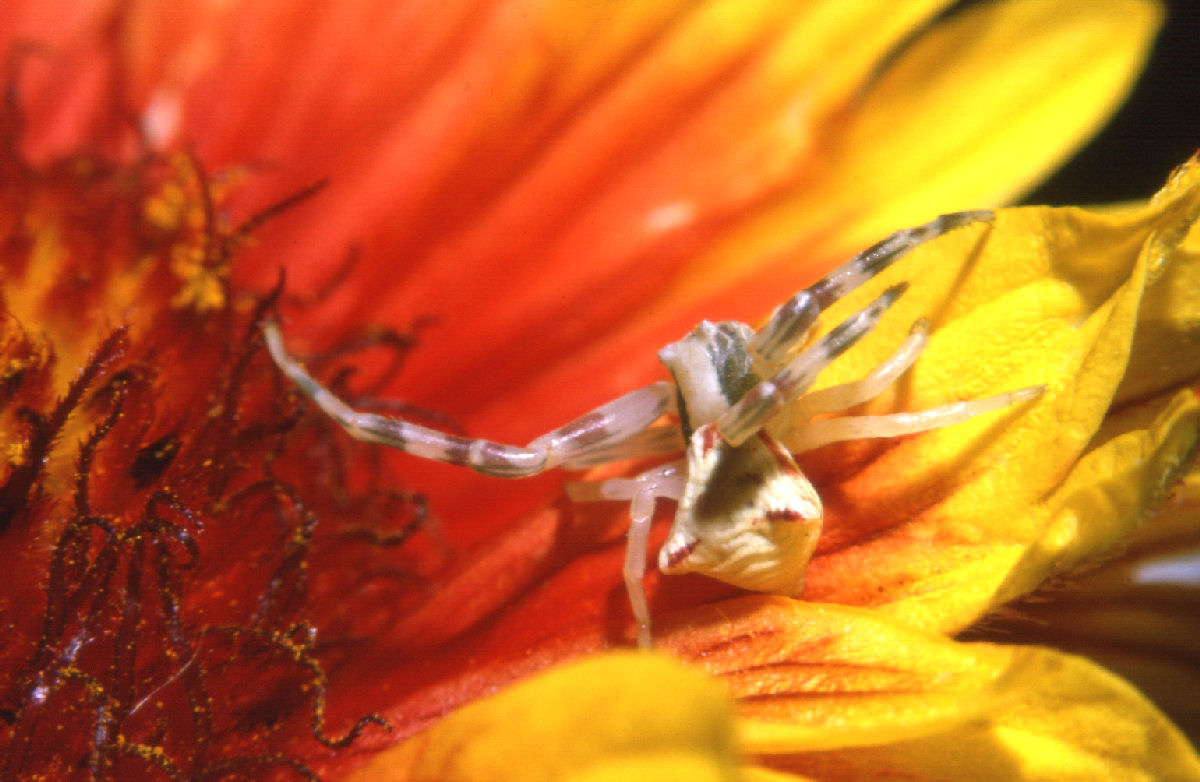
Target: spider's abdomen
{"x":712,"y":368}
{"x":747,"y":516}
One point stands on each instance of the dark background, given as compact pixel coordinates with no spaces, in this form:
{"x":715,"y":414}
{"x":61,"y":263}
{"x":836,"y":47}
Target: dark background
{"x":1156,"y":130}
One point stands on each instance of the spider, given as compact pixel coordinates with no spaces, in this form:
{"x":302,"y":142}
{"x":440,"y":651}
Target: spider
{"x":746,"y":513}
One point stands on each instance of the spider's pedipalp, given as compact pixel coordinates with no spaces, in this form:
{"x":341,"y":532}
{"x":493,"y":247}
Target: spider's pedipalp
{"x":790,"y":322}
{"x":757,"y":406}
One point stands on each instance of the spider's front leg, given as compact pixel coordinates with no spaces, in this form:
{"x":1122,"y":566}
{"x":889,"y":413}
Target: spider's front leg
{"x":756,"y":407}
{"x":791,"y":321}
{"x":750,"y":413}
{"x":599,"y":432}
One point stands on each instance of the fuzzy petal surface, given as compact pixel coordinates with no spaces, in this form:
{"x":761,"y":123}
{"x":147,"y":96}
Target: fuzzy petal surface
{"x":839,"y":693}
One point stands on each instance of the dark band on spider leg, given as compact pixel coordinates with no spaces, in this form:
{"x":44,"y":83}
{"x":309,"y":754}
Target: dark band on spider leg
{"x":759,"y":403}
{"x":397,"y":434}
{"x":884,"y":253}
{"x":788,"y":324}
{"x":842,"y":336}
{"x":766,"y":398}
{"x":587,"y":430}
{"x":793,"y":318}
{"x":580,"y":440}
{"x":505,"y":461}
{"x":458,"y":450}
{"x":801,"y":374}
{"x":484,"y":456}
{"x":610,"y":423}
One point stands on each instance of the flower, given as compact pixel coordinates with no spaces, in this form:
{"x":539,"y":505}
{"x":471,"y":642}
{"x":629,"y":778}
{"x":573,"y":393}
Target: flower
{"x":211,"y":567}
{"x":860,"y":677}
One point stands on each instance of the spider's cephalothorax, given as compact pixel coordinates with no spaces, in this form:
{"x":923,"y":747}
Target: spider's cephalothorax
{"x":713,"y":367}
{"x":746,"y":514}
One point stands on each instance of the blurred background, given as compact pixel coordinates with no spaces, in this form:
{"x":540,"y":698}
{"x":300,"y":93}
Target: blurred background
{"x":1157,"y":129}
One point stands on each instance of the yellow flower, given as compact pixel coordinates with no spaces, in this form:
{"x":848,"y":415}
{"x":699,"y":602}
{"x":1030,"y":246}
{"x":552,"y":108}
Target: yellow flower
{"x":201,"y":567}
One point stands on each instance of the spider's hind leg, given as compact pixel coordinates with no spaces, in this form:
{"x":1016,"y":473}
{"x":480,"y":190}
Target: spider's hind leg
{"x":815,"y":434}
{"x":643,"y":493}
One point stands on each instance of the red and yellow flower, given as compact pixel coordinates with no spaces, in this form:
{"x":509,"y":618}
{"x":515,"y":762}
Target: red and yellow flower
{"x":206,"y":580}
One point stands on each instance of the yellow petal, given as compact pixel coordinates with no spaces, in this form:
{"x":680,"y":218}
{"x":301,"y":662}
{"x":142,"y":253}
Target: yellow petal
{"x":1166,"y":347}
{"x":834,"y":692}
{"x":617,"y":717}
{"x":982,"y":107}
{"x":1108,"y":493}
{"x":942,"y":526}
{"x":972,"y":114}
{"x":1166,"y":353}
{"x":811,"y":677}
{"x":1063,"y":718}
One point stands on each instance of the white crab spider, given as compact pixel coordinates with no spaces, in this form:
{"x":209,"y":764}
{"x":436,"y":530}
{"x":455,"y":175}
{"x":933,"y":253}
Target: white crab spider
{"x":746,"y":513}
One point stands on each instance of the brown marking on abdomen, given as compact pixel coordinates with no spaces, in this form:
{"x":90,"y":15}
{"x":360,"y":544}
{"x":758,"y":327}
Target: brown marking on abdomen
{"x":675,"y":556}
